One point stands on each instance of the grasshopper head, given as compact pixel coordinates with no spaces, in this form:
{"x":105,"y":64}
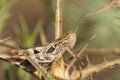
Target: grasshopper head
{"x":59,"y":44}
{"x":68,"y":40}
{"x":71,"y":39}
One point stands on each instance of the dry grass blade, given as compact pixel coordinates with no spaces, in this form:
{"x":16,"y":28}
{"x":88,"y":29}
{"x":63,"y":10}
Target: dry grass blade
{"x":106,"y":7}
{"x":8,"y":46}
{"x":4,"y":57}
{"x":3,"y":40}
{"x":58,"y":20}
{"x":42,"y":37}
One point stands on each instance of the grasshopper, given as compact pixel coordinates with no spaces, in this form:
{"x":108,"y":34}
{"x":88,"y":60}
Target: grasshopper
{"x":35,"y":59}
{"x":47,"y":55}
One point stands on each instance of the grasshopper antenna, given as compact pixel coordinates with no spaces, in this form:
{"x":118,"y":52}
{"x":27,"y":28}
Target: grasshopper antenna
{"x":78,"y":23}
{"x":76,"y":29}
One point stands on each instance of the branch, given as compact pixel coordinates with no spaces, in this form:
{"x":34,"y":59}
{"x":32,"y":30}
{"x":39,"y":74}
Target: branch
{"x":97,"y":68}
{"x":106,"y":7}
{"x":80,"y":52}
{"x":102,"y":51}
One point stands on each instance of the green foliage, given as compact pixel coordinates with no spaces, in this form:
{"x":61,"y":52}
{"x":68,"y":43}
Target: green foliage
{"x":50,"y":10}
{"x":26,"y":38}
{"x":4,"y":15}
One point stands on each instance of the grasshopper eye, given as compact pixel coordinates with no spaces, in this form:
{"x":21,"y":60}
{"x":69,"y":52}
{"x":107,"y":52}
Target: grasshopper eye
{"x":36,"y":51}
{"x":51,"y":49}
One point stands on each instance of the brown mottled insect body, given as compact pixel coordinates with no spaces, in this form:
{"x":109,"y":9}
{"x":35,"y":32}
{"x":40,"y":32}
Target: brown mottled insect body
{"x":45,"y":56}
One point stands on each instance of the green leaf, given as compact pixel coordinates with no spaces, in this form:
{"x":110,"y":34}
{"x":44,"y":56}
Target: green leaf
{"x":26,"y":38}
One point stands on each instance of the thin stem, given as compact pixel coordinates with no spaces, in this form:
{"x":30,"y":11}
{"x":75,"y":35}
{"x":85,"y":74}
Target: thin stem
{"x":58,"y":20}
{"x":102,"y":51}
{"x":105,"y":7}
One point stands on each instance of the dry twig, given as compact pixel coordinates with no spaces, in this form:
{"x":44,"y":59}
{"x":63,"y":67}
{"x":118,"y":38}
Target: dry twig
{"x":112,"y":4}
{"x":80,"y":52}
{"x":97,"y":68}
{"x":58,"y":20}
{"x":102,"y":51}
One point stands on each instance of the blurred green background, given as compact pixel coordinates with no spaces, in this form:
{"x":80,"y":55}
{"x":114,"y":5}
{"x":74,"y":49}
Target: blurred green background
{"x":24,"y":20}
